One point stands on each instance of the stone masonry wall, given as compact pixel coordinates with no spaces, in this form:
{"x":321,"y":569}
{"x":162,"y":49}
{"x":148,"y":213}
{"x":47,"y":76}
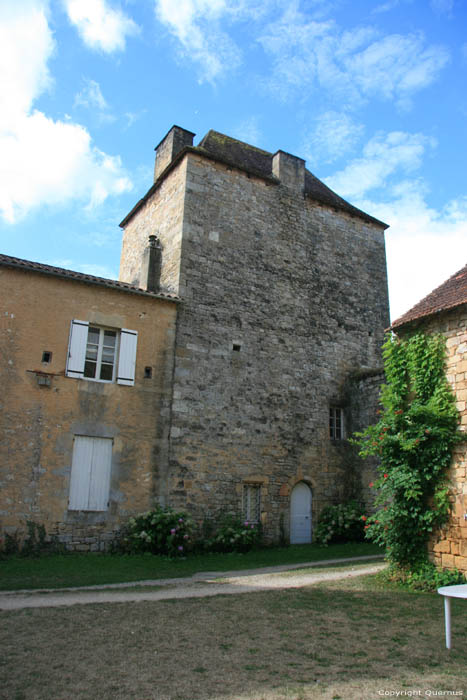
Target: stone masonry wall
{"x":449,"y":547}
{"x":39,"y":421}
{"x":284,"y":298}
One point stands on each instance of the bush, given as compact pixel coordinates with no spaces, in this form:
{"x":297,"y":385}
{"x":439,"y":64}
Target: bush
{"x":233,"y":534}
{"x":159,"y":531}
{"x":424,"y":577}
{"x":341,"y":523}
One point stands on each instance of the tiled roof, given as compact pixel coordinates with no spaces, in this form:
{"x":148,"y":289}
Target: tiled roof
{"x":447,"y":296}
{"x":30,"y":266}
{"x":257,"y":162}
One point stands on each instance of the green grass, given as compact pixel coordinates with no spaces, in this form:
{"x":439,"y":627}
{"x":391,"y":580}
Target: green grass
{"x":68,"y":570}
{"x":349,"y":639}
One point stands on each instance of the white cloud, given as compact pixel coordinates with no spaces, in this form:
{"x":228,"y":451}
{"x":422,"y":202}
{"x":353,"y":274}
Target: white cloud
{"x":195,"y":24}
{"x":352,"y":65}
{"x":99,"y":25}
{"x":424,"y":246}
{"x":43,"y":161}
{"x":383,"y":156}
{"x":91,"y":96}
{"x":334,"y":134}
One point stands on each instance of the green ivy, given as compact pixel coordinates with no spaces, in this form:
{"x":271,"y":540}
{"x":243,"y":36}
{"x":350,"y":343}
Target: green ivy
{"x":414,"y":439}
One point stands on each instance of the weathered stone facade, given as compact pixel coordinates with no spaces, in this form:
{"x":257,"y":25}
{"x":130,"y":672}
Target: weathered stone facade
{"x":449,"y":546}
{"x":243,"y":394}
{"x":43,"y":410}
{"x":285,"y":299}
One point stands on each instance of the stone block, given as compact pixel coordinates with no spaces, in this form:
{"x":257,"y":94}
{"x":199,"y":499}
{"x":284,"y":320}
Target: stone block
{"x":442,"y":547}
{"x":447,"y":561}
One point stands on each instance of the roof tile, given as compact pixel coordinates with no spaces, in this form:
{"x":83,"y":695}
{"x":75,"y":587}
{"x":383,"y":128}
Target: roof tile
{"x":447,"y":296}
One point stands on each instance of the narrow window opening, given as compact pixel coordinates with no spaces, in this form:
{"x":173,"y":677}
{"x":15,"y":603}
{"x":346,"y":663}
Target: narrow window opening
{"x":336,"y":423}
{"x":236,"y":347}
{"x":46,"y":357}
{"x":252,"y":502}
{"x":147,"y":372}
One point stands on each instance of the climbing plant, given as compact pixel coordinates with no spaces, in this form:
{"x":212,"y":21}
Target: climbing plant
{"x":413,"y":438}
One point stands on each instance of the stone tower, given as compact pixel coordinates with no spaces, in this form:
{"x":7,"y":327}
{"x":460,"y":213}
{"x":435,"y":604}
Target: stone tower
{"x":285,"y":305}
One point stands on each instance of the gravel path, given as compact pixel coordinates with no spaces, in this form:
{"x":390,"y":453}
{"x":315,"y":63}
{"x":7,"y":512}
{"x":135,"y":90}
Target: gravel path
{"x":198,"y":586}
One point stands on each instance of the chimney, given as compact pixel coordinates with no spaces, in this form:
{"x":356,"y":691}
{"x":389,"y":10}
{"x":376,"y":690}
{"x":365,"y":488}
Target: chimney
{"x":150,"y":276}
{"x":176,"y":139}
{"x":290,"y":170}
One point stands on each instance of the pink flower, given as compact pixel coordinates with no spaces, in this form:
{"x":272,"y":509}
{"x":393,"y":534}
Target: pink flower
{"x":246,"y":523}
{"x":180,"y":549}
{"x":173,"y":531}
{"x":370,"y":484}
{"x":185,"y":537}
{"x":252,"y":526}
{"x":180,"y":520}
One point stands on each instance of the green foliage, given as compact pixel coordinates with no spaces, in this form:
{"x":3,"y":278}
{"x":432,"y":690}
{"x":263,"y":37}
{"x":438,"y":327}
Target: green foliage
{"x":414,"y":439}
{"x":233,"y":534}
{"x":158,"y":531}
{"x":34,"y":543}
{"x":423,"y":577}
{"x":341,"y":523}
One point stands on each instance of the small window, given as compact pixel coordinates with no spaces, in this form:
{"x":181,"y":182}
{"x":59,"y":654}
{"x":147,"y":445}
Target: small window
{"x":252,"y":502}
{"x":101,"y":354}
{"x":46,"y":357}
{"x":336,"y":423}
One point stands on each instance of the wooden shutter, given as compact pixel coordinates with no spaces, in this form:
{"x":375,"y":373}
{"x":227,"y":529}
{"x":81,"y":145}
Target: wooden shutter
{"x":127,"y":357}
{"x":100,"y":474}
{"x":77,"y":349}
{"x":90,"y":473}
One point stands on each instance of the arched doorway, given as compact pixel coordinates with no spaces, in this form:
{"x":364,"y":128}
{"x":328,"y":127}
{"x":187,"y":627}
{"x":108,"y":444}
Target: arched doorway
{"x":300,"y":514}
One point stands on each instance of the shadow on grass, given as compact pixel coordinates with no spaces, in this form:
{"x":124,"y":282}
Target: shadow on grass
{"x":346,"y":637}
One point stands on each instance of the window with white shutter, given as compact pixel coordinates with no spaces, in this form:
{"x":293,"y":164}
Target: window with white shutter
{"x":90,"y":473}
{"x":101,"y":354}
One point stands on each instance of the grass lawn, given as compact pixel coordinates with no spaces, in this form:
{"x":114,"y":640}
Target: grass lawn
{"x":344,"y":640}
{"x":59,"y":571}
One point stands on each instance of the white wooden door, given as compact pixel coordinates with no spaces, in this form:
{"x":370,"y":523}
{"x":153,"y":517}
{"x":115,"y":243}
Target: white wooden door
{"x":300,"y":514}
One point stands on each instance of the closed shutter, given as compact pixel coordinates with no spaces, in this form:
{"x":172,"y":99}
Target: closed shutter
{"x":90,"y":473}
{"x":127,"y":357}
{"x":100,"y":474}
{"x":77,"y":349}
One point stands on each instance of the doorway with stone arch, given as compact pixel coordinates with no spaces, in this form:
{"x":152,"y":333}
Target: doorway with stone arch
{"x":300,"y":514}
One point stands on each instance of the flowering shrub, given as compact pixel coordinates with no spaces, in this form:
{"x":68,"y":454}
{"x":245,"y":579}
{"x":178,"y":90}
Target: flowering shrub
{"x":234,"y":535}
{"x":414,"y":439}
{"x":341,"y":523}
{"x":159,"y":531}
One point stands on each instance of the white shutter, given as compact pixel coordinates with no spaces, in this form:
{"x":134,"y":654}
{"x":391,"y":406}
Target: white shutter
{"x":77,"y":349}
{"x":127,"y":357}
{"x":80,"y":473}
{"x":100,"y":474}
{"x":90,"y":473}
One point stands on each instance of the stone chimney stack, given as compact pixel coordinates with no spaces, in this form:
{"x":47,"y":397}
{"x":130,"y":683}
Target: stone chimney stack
{"x":151,"y":264}
{"x":290,"y":170}
{"x":176,"y":139}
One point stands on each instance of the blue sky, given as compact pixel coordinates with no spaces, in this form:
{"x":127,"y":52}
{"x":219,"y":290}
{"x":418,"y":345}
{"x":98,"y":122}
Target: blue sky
{"x":373,"y":94}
